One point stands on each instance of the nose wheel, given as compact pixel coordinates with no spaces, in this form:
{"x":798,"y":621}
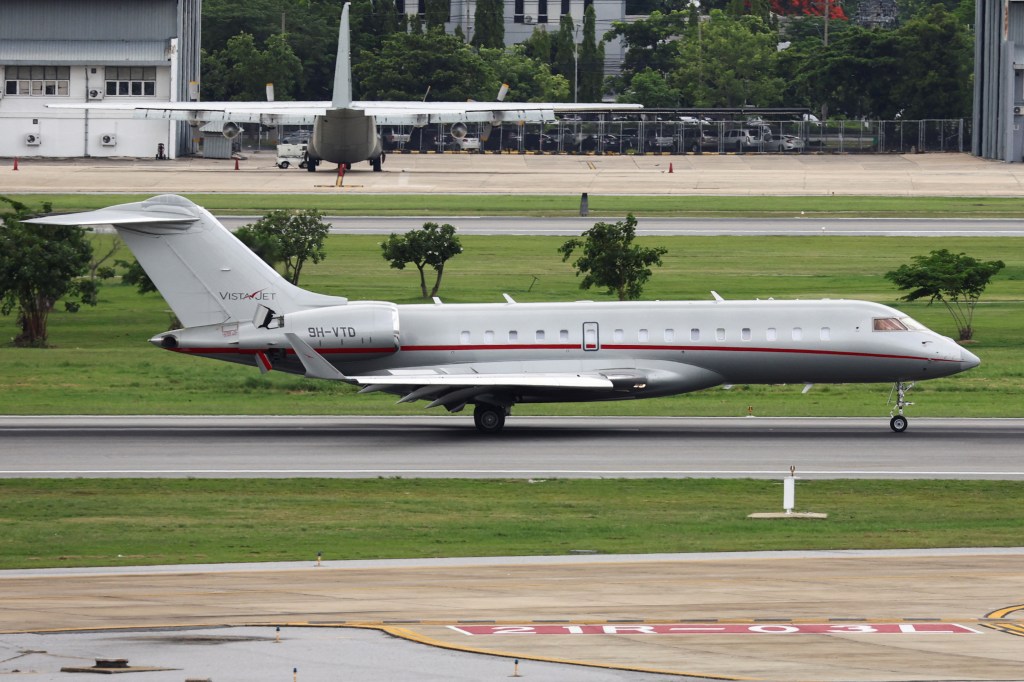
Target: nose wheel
{"x":898,"y":423}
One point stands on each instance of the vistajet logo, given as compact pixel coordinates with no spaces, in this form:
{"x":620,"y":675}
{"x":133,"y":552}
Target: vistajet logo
{"x":261,"y":295}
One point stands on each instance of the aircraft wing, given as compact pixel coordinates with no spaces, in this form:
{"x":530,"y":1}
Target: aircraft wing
{"x":385,"y":113}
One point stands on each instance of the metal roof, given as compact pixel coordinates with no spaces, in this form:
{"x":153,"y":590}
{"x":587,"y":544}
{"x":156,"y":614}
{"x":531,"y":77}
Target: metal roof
{"x":95,"y":52}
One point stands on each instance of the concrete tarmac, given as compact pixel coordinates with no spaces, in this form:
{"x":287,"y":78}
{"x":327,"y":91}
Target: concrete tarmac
{"x":844,"y":615}
{"x":950,"y":174}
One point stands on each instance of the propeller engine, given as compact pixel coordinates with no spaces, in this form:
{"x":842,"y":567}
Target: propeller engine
{"x":459,"y":130}
{"x":231,"y":130}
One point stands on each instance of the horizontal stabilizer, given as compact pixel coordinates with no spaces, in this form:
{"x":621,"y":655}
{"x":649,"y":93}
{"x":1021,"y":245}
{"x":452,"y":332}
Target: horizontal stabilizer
{"x":137,"y":214}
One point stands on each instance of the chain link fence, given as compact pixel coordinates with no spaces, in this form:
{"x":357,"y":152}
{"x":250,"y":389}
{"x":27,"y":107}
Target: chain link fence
{"x":578,"y":136}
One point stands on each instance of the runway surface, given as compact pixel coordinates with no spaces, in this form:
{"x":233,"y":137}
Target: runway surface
{"x":647,"y":226}
{"x":449,"y":446}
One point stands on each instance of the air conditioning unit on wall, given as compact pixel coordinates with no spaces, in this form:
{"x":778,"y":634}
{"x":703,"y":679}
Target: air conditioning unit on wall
{"x":33,"y":139}
{"x":1018,"y":111}
{"x":95,"y":93}
{"x":108,"y":140}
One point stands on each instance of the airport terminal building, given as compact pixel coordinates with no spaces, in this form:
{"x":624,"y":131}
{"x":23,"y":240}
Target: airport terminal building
{"x":65,"y":51}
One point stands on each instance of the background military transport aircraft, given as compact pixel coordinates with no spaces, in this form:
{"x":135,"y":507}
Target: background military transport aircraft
{"x":344,"y":130}
{"x":237,"y":308}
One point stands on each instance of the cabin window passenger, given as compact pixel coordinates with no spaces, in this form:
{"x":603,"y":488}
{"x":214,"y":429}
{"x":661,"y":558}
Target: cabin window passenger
{"x":798,"y":333}
{"x":539,"y":336}
{"x":770,"y":334}
{"x":513,"y":336}
{"x":618,"y":336}
{"x":670,"y":335}
{"x":720,"y":334}
{"x":694,"y":334}
{"x":464,"y":338}
{"x":563,"y":335}
{"x":643,"y":336}
{"x":826,"y":334}
{"x":745,"y":334}
{"x":488,"y":336}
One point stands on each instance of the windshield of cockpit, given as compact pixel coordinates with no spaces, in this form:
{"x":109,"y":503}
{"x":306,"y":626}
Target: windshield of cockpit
{"x":896,"y":324}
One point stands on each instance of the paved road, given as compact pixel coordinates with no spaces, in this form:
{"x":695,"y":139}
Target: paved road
{"x":439,"y":447}
{"x":750,"y":227}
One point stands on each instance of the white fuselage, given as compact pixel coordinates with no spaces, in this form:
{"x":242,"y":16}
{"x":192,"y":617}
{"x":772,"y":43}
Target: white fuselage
{"x":653,"y":348}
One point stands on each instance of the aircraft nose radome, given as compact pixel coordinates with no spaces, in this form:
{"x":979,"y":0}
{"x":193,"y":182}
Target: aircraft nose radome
{"x":968,"y":360}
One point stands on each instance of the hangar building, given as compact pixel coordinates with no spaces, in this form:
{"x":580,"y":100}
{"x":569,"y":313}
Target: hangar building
{"x":64,"y":51}
{"x":999,"y":80}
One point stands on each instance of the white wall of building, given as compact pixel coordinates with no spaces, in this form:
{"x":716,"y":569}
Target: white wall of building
{"x":74,"y":133}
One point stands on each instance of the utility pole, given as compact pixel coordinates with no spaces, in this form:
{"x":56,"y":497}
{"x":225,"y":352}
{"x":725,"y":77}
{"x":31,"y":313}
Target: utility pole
{"x":828,"y":10}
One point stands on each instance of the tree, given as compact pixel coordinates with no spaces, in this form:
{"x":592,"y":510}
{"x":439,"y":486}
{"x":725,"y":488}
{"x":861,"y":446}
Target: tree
{"x":728,"y":62}
{"x":610,"y":259}
{"x":650,"y":89}
{"x":489,"y":24}
{"x":432,"y":245}
{"x":40,"y":265}
{"x":957,"y":280}
{"x":591,"y":60}
{"x":408,"y":63}
{"x":241,"y":70}
{"x":289,"y":237}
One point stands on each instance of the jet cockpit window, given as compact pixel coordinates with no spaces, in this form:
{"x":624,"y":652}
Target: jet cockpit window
{"x":889,"y":324}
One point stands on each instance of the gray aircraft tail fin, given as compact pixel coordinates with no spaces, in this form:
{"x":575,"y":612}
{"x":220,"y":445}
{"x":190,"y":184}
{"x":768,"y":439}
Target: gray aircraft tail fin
{"x":343,"y":67}
{"x":203,"y":272}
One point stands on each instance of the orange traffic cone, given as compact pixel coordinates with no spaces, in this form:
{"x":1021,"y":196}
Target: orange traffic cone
{"x":670,"y":167}
{"x":15,"y":163}
{"x":236,"y":164}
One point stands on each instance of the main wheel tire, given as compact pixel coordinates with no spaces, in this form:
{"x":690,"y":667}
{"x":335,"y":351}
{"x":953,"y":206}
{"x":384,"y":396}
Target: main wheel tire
{"x":283,"y":165}
{"x":376,"y":163}
{"x":898,"y":423}
{"x":488,"y":418}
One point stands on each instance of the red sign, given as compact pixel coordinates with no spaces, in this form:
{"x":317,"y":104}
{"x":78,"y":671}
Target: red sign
{"x":723,"y":629}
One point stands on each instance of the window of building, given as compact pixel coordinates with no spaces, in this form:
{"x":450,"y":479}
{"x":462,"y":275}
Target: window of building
{"x":770,"y":334}
{"x":745,"y":334}
{"x":587,"y":4}
{"x":542,"y":11}
{"x":565,"y":6}
{"x":798,"y":334}
{"x":694,"y":334}
{"x":720,"y":334}
{"x":464,"y":338}
{"x":643,"y":336}
{"x":130,"y":81}
{"x":37,"y":81}
{"x":670,"y":335}
{"x":519,"y":11}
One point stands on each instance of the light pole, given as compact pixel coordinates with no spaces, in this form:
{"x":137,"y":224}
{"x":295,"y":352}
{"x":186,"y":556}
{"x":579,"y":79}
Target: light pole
{"x":576,"y":64}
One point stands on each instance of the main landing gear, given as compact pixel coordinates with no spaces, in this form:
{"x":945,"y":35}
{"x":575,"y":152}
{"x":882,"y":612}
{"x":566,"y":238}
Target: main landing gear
{"x":489,"y":418}
{"x":898,"y":423}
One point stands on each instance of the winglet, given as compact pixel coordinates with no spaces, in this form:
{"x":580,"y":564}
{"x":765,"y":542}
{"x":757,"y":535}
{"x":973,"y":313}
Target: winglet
{"x":343,"y":67}
{"x":316,"y":366}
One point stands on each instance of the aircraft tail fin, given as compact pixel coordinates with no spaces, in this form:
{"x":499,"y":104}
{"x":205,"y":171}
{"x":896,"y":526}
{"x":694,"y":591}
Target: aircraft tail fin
{"x":342,"y":97}
{"x":203,"y":272}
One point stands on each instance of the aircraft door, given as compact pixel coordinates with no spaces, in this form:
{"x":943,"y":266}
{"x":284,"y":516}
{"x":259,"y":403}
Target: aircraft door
{"x":591,"y":339}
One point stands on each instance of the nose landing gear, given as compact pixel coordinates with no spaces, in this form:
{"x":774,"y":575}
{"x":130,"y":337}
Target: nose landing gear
{"x":898,"y":423}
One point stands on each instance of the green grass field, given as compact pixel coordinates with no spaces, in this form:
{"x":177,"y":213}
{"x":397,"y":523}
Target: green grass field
{"x":101,"y":363}
{"x":143,"y":521}
{"x":568,"y":205}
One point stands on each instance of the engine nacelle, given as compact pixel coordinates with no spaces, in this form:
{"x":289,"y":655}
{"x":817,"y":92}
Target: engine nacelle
{"x":459,"y":130}
{"x":231,"y":130}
